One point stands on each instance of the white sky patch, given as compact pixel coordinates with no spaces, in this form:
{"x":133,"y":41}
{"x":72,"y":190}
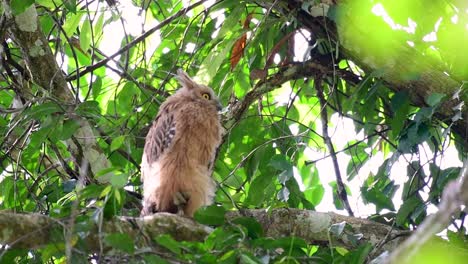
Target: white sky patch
{"x":454,"y":19}
{"x":277,"y":58}
{"x":285,"y":95}
{"x":302,"y":48}
{"x":136,"y":22}
{"x":294,"y":128}
{"x":298,"y":178}
{"x":431,"y":37}
{"x":379,"y":10}
{"x":190,"y":47}
{"x":220,"y":17}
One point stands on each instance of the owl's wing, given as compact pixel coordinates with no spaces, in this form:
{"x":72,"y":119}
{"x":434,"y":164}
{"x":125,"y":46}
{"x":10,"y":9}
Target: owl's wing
{"x":160,"y":134}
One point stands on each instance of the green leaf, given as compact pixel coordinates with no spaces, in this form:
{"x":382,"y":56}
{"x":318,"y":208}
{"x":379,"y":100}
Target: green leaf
{"x":98,"y":27}
{"x":401,"y":106}
{"x":69,"y":127}
{"x":43,"y":110}
{"x":248,"y":259}
{"x":380,"y":199}
{"x":70,"y":5}
{"x":71,"y":23}
{"x":256,"y":194}
{"x":119,"y":180}
{"x":89,"y":108}
{"x":315,"y":194}
{"x":342,"y":251}
{"x":253,"y":162}
{"x":354,"y":165}
{"x":85,"y":35}
{"x":406,"y":209}
{"x":231,"y":22}
{"x":120,"y":241}
{"x":49,"y":3}
{"x":434,"y":99}
{"x":213,"y":61}
{"x":114,"y":203}
{"x":19,"y":6}
{"x":154,"y":259}
{"x":97,"y":87}
{"x":38,"y":137}
{"x":253,"y":227}
{"x":210,"y":215}
{"x":117,"y":143}
{"x":168,"y":242}
{"x":360,"y":254}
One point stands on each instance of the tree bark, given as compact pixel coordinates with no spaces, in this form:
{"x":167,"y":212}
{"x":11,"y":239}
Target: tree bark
{"x":33,"y":231}
{"x":42,"y":69}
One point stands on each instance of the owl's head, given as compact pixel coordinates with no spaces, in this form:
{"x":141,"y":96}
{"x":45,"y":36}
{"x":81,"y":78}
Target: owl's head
{"x":197,"y":92}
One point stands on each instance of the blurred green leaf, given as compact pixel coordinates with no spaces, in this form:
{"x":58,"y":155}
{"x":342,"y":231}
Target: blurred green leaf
{"x":19,"y":6}
{"x":117,"y":143}
{"x":169,"y":243}
{"x":120,"y":241}
{"x":406,"y":209}
{"x":253,"y":227}
{"x":434,"y":99}
{"x":210,"y":215}
{"x":85,"y":35}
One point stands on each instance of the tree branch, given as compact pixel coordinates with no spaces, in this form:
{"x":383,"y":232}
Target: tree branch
{"x":287,"y":73}
{"x":32,"y":231}
{"x":326,"y":138}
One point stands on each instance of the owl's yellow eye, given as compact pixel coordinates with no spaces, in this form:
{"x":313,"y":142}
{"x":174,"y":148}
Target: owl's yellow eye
{"x":206,"y":96}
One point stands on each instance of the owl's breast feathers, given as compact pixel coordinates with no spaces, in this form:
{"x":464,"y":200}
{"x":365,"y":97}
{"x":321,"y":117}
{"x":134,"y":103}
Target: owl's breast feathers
{"x":196,"y":131}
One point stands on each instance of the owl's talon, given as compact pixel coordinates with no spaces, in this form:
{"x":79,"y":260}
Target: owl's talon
{"x":181,"y":198}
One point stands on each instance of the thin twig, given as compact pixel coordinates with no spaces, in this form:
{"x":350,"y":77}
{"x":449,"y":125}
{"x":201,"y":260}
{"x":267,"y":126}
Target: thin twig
{"x":324,"y":118}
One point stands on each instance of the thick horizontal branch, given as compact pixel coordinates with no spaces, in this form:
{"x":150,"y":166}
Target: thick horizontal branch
{"x":34,"y":231}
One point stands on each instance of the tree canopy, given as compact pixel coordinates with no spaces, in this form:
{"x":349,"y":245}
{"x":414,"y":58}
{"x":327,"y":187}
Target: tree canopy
{"x":324,"y":101}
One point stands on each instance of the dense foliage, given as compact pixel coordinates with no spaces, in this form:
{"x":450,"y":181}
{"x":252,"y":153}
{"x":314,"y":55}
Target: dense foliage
{"x":294,"y":98}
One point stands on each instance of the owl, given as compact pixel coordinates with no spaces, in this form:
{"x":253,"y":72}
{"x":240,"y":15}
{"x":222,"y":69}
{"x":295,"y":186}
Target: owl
{"x":179,"y":152}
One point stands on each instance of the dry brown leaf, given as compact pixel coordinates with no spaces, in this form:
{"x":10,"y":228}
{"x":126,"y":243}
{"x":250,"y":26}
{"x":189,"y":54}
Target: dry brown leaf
{"x":239,"y":46}
{"x":238,"y":50}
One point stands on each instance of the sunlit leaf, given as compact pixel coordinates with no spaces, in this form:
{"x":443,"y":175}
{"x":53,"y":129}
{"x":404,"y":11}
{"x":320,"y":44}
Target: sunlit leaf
{"x":85,"y":35}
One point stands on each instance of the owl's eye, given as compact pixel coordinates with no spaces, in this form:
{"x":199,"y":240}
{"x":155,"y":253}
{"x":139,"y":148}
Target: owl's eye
{"x":206,"y":96}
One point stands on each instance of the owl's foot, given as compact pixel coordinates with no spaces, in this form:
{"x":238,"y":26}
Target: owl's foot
{"x":180,"y":200}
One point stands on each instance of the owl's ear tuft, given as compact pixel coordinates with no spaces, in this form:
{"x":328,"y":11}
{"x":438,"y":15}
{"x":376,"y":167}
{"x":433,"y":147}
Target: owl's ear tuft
{"x":185,"y":80}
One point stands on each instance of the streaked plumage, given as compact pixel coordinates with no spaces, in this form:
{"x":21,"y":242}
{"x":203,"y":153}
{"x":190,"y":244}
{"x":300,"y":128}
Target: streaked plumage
{"x":180,"y":149}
